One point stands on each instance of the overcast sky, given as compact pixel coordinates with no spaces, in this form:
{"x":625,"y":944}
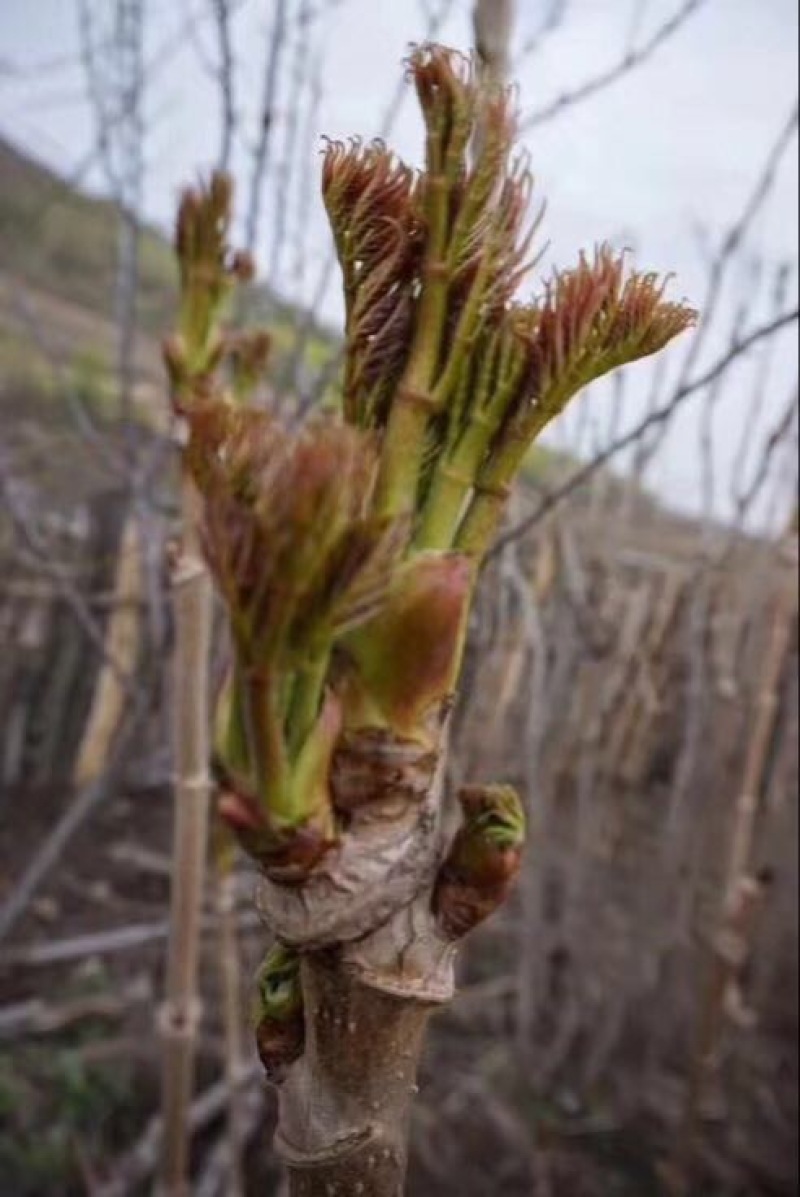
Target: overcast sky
{"x":663,"y":160}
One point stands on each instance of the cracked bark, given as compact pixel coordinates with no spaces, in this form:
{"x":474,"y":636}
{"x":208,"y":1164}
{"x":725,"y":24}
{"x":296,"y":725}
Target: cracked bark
{"x":374,"y":967}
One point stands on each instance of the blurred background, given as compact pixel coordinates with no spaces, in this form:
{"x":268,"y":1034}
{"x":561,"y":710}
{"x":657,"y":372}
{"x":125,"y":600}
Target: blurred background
{"x":629,"y":1025}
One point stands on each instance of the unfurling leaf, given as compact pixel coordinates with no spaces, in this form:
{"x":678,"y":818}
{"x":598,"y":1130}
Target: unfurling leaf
{"x":287,"y":529}
{"x":370,"y":199}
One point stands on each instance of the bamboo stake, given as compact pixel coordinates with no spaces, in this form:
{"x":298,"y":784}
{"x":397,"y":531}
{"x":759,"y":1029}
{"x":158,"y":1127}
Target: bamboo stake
{"x":231,"y":991}
{"x":181,"y":1011}
{"x":209,"y":272}
{"x":122,"y":646}
{"x":742,"y":891}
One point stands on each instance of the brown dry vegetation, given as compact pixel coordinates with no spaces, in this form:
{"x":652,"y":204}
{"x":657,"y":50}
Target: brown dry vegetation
{"x":616,"y":677}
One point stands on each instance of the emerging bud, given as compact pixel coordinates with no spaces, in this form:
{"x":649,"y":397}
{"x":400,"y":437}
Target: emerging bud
{"x":287,"y":529}
{"x":243,"y":266}
{"x":406,"y":659}
{"x":484,"y":858}
{"x":209,"y":270}
{"x":247,"y":354}
{"x":278,"y":1012}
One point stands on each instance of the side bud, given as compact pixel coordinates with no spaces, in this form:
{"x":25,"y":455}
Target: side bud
{"x":278,"y":1012}
{"x":483,"y":860}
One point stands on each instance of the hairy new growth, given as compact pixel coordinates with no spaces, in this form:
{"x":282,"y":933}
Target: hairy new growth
{"x":345,"y":549}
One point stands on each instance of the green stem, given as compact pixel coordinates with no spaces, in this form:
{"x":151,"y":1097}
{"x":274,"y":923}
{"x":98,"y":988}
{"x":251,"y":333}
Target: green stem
{"x":485,"y":509}
{"x":267,"y":747}
{"x":480,"y":523}
{"x":234,"y":745}
{"x":442,"y":509}
{"x":408,"y":419}
{"x":305,"y":700}
{"x":455,"y":474}
{"x":451,"y":484}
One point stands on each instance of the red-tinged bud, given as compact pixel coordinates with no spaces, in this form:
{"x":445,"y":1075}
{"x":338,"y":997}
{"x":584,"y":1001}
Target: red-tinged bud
{"x":279,"y":1043}
{"x":286,"y":855}
{"x":408,"y":656}
{"x":243,"y":266}
{"x":287,"y":529}
{"x":189,"y":211}
{"x":221,"y":194}
{"x":278,"y":1012}
{"x":483,"y":860}
{"x":241,"y":813}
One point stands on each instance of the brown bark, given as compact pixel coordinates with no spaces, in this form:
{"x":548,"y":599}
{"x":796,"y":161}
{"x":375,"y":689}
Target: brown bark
{"x":180,"y":1014}
{"x":123,"y":646}
{"x":374,"y":966}
{"x":376,"y":961}
{"x":344,"y":1109}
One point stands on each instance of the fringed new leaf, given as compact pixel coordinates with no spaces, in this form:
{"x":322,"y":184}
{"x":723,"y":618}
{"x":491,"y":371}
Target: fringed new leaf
{"x":592,"y":320}
{"x":287,"y":529}
{"x":208,"y":270}
{"x":299,"y":561}
{"x":370,"y":199}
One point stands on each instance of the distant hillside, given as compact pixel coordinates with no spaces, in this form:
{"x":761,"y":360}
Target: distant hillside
{"x":65,"y":242}
{"x":58,"y":253}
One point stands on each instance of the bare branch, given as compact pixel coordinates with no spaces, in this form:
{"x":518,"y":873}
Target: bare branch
{"x":761,"y":383}
{"x":222,"y":17}
{"x":631,"y":59}
{"x":291,"y":142}
{"x":735,"y":237}
{"x":720,"y":264}
{"x":266,"y":121}
{"x":551,"y":21}
{"x":75,"y":815}
{"x":746,"y":495}
{"x":38,"y":553}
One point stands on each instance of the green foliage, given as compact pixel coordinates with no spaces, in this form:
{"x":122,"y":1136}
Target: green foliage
{"x":92,"y":384}
{"x":440,"y":352}
{"x":66,"y":242}
{"x":278,"y":991}
{"x":50,"y":1098}
{"x":346,"y":550}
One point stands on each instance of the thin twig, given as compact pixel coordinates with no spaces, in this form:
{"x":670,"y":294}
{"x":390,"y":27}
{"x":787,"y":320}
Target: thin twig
{"x":107,"y":943}
{"x":630,"y":60}
{"x":550,"y":22}
{"x":222,"y":17}
{"x":40,"y":868}
{"x":134,"y":1169}
{"x":266,"y":124}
